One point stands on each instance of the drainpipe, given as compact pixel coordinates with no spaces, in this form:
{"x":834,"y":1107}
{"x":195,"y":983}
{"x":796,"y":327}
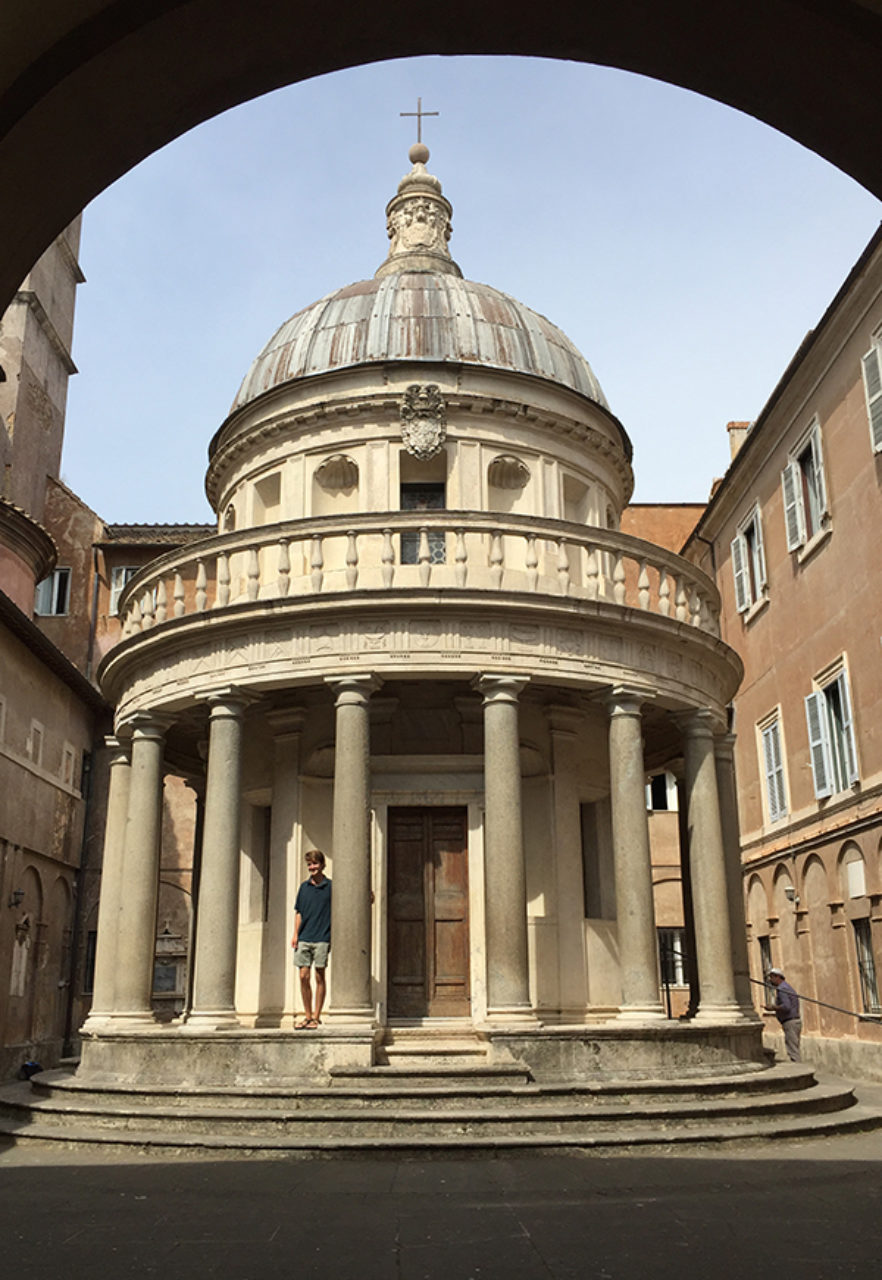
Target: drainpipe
{"x":86,"y":784}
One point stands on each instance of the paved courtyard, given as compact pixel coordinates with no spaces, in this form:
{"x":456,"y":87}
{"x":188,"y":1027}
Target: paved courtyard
{"x":807,"y":1208}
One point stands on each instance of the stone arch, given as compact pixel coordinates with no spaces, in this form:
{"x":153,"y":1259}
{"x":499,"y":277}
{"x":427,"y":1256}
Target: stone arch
{"x":149,"y":65}
{"x":53,"y":963}
{"x":852,"y":869}
{"x":784,"y":905}
{"x":27,"y":941}
{"x":817,"y":895}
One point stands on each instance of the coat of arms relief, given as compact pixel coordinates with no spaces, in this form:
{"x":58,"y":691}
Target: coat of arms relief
{"x":423,"y":420}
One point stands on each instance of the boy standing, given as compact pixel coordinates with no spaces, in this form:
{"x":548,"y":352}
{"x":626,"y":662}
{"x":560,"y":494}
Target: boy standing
{"x":312,"y":937}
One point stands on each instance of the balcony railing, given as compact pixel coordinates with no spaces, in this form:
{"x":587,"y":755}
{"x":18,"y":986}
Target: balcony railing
{"x":452,"y":550}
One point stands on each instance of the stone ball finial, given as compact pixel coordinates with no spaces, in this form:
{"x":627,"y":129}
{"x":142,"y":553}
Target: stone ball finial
{"x":418,"y":154}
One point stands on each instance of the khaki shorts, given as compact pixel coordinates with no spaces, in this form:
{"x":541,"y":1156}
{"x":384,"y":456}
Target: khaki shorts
{"x":312,"y":953}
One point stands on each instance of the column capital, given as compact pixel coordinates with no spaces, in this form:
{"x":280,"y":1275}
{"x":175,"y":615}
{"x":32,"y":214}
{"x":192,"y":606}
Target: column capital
{"x":286,"y":722}
{"x":563,"y":719}
{"x":146,"y":724}
{"x":353,"y":690}
{"x":625,"y":700}
{"x":500,"y":688}
{"x":229,"y":701}
{"x":120,"y":749}
{"x":724,"y":746}
{"x":700,"y":723}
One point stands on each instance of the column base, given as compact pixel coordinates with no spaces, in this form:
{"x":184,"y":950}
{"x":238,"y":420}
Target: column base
{"x":641,"y":1013}
{"x":120,"y":1019}
{"x":209,"y":1020}
{"x":355,"y":1016}
{"x":520,"y":1016}
{"x":727,"y":1013}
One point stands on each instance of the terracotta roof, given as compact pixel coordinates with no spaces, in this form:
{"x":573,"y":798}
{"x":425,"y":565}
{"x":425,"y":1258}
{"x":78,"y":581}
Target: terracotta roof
{"x":157,"y":535}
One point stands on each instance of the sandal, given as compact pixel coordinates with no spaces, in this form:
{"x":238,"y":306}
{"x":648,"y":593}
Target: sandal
{"x":302,"y":1024}
{"x":313,"y":1024}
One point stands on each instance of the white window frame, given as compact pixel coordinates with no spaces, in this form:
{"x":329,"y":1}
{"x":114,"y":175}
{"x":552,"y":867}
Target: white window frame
{"x":50,"y":593}
{"x":749,"y":562}
{"x":802,"y":524}
{"x":772,"y":757}
{"x":871,"y":367}
{"x":120,"y":576}
{"x":832,"y":743}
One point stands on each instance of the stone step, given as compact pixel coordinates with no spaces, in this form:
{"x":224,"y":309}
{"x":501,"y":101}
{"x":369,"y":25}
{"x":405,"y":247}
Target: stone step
{"x":540,"y":1117}
{"x":170,"y":1142}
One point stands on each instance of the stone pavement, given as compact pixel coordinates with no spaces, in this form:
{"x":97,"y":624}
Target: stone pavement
{"x":808,"y":1208}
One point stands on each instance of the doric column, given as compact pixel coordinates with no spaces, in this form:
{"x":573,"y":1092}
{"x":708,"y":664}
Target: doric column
{"x":635,"y":912}
{"x":508,"y":979}
{"x":106,"y":959}
{"x":567,"y":843}
{"x":713,"y":938}
{"x":136,"y":920}
{"x":724,"y":758}
{"x":217,"y":923}
{"x":285,"y":868}
{"x":351,"y":914}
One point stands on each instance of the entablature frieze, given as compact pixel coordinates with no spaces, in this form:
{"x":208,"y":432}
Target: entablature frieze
{"x":578,"y":648}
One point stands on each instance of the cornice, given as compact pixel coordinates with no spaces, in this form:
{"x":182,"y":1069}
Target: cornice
{"x":384,"y":407}
{"x":27,"y":539}
{"x":28,"y":298}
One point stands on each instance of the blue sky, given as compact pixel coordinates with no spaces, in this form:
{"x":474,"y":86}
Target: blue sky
{"x":684,"y":247}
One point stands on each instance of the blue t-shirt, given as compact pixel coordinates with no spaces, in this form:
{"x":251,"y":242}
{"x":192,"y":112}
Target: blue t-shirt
{"x":786,"y":1002}
{"x":314,"y":906}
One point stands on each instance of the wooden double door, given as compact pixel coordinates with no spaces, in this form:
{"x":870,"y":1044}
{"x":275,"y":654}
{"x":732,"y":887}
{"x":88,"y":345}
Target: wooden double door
{"x":428,"y":913}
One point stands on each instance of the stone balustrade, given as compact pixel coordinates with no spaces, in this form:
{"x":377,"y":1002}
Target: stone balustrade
{"x":453,"y":550}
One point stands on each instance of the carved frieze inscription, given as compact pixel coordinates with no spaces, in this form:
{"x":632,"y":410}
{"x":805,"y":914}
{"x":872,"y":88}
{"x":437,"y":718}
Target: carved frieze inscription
{"x":694,"y":671}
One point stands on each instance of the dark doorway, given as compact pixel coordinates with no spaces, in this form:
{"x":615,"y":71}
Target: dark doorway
{"x":428,"y":931}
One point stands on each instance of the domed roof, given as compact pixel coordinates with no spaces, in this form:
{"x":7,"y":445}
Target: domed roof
{"x":418,"y":315}
{"x":418,"y":308}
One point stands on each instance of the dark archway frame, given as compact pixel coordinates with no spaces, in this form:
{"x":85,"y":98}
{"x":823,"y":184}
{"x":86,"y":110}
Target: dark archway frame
{"x":87,"y":90}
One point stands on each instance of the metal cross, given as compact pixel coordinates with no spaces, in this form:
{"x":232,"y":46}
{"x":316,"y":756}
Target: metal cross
{"x":419,"y":113}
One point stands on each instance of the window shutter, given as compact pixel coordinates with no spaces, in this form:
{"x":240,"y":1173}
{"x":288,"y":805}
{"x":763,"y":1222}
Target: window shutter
{"x":43,"y":596}
{"x":739,"y":571}
{"x":872,"y":366}
{"x":818,"y":459}
{"x":794,"y":514}
{"x":760,"y":552}
{"x":819,"y":744}
{"x":849,"y":748}
{"x":774,"y":771}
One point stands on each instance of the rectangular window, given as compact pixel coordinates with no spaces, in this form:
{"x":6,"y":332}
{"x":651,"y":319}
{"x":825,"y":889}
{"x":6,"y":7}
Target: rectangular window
{"x":68,"y":765}
{"x":872,"y":368}
{"x":749,"y":562}
{"x":423,"y":497}
{"x":35,"y":743}
{"x":831,"y":737}
{"x":53,"y":594}
{"x":805,"y":490}
{"x":773,"y":769}
{"x":661,"y":793}
{"x":118,"y":579}
{"x":866,"y":962}
{"x":672,"y":957}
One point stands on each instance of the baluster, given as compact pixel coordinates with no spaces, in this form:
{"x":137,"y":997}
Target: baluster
{"x":147,"y":611}
{"x":424,"y":558}
{"x":351,"y":559}
{"x":643,"y":586}
{"x":180,"y":606}
{"x":253,"y":573}
{"x":317,"y":563}
{"x":461,"y":559}
{"x":201,"y":585}
{"x":497,"y":559}
{"x":664,"y":593}
{"x":387,"y":558}
{"x":592,"y":572}
{"x":135,"y":617}
{"x":619,"y":579}
{"x":284,"y":582}
{"x":563,"y":567}
{"x":223,"y":580}
{"x":161,"y":601}
{"x":532,"y":562}
{"x":681,"y":601}
{"x":695,"y":607}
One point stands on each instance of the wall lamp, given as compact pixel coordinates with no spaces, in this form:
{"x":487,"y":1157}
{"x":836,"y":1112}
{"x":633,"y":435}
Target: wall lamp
{"x":15,"y":898}
{"x":791,"y":895}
